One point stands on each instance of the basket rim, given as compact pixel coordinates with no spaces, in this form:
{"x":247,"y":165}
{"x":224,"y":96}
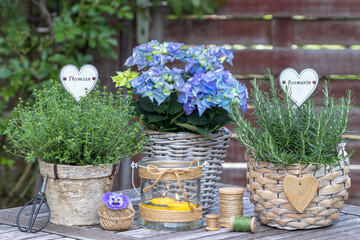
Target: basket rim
{"x":103,"y":208}
{"x":148,"y":131}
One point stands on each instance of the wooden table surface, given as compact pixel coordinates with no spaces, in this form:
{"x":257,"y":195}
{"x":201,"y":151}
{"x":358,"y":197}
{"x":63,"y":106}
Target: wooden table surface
{"x":348,"y":227}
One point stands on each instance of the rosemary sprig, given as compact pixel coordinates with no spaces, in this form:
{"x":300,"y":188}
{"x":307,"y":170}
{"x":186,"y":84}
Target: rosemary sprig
{"x":285,"y":135}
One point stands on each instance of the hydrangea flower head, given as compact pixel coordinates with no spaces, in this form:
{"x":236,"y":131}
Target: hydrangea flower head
{"x":115,"y":201}
{"x":212,"y":89}
{"x":200,"y":85}
{"x":123,"y":78}
{"x":154,"y":53}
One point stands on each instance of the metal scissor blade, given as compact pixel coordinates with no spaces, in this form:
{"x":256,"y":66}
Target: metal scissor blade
{"x":35,"y":209}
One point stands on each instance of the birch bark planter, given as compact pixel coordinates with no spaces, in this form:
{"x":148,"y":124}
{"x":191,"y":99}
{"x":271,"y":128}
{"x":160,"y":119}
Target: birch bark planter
{"x":74,"y":192}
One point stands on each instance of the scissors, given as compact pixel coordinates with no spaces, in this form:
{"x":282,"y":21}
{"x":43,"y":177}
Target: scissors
{"x":37,"y":203}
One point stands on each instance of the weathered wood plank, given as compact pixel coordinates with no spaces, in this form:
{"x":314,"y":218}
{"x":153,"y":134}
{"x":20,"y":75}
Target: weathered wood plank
{"x":5,"y":229}
{"x":325,"y":62}
{"x":339,"y":226}
{"x":281,"y":32}
{"x":326,"y":32}
{"x":217,"y":32}
{"x":146,"y":233}
{"x":287,"y":8}
{"x":66,"y":231}
{"x":236,"y":153}
{"x":351,"y":233}
{"x":16,"y":234}
{"x":350,"y":218}
{"x":351,"y":210}
{"x":338,"y":86}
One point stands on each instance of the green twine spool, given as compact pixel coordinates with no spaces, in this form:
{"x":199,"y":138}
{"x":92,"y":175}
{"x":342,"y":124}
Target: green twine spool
{"x":243,"y":224}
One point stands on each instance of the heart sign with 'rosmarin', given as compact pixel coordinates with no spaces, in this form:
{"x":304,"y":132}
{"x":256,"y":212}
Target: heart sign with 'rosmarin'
{"x":299,"y":86}
{"x":79,"y":83}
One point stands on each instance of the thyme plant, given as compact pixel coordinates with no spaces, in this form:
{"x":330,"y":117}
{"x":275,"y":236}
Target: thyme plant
{"x":285,"y":135}
{"x":99,"y":129}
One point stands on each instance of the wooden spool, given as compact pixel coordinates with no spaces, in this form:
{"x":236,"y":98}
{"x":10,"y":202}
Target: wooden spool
{"x":212,"y":221}
{"x":231,"y":204}
{"x":252,"y":224}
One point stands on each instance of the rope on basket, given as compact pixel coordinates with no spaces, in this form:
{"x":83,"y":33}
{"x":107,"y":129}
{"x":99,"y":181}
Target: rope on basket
{"x":189,"y":172}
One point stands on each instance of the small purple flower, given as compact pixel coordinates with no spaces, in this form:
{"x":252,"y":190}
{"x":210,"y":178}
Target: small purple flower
{"x":115,"y":201}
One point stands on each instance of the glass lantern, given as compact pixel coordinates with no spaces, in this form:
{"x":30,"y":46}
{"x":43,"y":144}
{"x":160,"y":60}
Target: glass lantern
{"x":170,"y":194}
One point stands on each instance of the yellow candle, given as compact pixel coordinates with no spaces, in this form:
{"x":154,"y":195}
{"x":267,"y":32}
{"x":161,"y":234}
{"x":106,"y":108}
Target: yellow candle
{"x":153,"y":207}
{"x":162,"y":201}
{"x":180,"y":206}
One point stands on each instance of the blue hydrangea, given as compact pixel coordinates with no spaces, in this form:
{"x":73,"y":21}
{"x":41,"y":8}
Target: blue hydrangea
{"x":158,"y":82}
{"x":201,"y":85}
{"x":153,"y":54}
{"x":210,"y":89}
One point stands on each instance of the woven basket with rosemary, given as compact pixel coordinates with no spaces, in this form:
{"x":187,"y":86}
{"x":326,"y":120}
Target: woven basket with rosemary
{"x":280,"y":138}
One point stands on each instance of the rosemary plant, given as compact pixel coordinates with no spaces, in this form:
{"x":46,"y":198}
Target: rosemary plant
{"x":285,"y":135}
{"x":100,"y":129}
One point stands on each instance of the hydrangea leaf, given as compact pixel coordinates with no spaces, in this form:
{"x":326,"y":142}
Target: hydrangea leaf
{"x":190,"y":127}
{"x":196,"y":120}
{"x":155,"y":118}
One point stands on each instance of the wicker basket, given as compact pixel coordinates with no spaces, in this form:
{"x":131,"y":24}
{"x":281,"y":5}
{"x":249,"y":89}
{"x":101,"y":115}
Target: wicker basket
{"x":271,"y":204}
{"x":116,"y":220}
{"x":190,"y":146}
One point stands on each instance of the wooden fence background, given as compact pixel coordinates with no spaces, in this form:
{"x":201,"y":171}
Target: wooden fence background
{"x":320,"y":34}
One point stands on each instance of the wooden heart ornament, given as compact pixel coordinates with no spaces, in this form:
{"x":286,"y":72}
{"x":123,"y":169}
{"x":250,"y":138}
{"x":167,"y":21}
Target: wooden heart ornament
{"x":300,"y":86}
{"x":300,"y":191}
{"x":79,"y":83}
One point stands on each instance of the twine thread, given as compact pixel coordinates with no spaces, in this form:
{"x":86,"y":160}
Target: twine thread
{"x":243,"y":224}
{"x":168,"y":216}
{"x":230,"y":205}
{"x":116,"y":220}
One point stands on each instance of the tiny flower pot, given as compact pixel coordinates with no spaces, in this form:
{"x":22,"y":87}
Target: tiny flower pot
{"x":74,"y":192}
{"x":116,"y":220}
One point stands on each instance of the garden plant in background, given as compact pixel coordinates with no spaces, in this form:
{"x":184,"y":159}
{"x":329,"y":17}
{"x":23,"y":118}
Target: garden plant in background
{"x":285,"y":140}
{"x":83,"y":139}
{"x":37,"y":38}
{"x":194,"y":98}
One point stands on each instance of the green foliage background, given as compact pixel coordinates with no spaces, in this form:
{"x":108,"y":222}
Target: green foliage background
{"x":38,"y":37}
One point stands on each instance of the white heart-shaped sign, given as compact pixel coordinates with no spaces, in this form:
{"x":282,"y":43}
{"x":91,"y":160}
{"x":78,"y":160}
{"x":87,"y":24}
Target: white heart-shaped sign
{"x":300,"y":86}
{"x":79,"y":83}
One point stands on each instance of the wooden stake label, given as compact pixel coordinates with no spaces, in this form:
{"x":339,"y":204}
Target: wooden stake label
{"x":300,"y":86}
{"x":79,"y":83}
